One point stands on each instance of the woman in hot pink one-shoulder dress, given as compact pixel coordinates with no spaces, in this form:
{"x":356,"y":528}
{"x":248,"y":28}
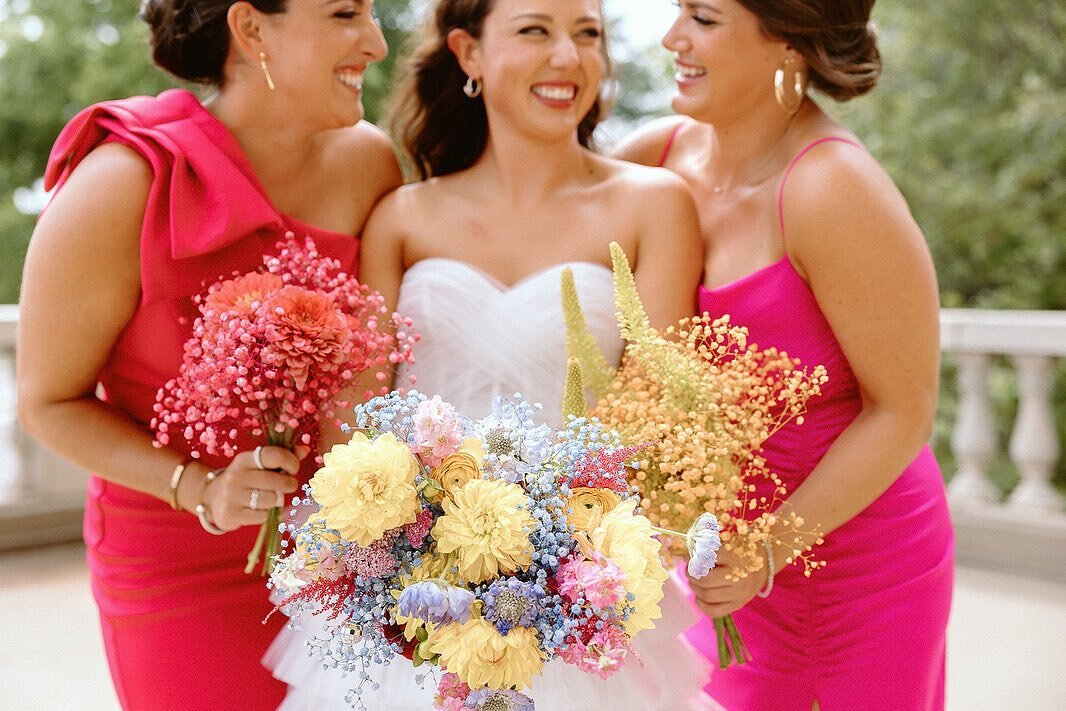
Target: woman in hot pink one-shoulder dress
{"x":811,"y":247}
{"x":156,"y":198}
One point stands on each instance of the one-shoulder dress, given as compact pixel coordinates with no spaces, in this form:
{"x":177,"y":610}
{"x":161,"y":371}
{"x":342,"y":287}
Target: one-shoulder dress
{"x":867,"y":632}
{"x":181,"y":621}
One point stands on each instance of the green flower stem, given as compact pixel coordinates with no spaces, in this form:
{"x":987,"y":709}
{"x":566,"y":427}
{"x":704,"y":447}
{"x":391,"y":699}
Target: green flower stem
{"x":725,"y":657}
{"x":740,"y":650}
{"x":731,"y":647}
{"x":268,"y":541}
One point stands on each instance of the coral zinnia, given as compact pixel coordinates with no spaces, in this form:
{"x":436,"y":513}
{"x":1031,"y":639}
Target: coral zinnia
{"x":367,"y":487}
{"x":479,"y":655}
{"x":487,"y":525}
{"x":627,"y":539}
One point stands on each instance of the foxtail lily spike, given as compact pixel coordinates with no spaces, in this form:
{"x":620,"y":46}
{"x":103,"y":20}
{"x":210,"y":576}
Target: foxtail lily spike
{"x":574,"y":391}
{"x":596,"y":373}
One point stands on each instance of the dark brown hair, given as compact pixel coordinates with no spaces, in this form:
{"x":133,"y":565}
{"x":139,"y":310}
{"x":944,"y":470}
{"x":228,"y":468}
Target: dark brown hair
{"x":835,"y":37}
{"x":190,"y":38}
{"x":439,"y":128}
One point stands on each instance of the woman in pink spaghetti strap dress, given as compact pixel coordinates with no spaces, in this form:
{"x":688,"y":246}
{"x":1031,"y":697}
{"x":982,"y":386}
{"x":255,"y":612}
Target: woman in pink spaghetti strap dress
{"x":157,"y":197}
{"x":812,"y":248}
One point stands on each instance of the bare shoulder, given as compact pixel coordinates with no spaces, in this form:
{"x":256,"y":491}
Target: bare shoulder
{"x":363,"y":152}
{"x":628,"y":180}
{"x":647,"y":144}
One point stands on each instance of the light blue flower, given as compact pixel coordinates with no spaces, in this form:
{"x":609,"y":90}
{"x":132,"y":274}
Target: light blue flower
{"x":435,"y":601}
{"x":703,"y":543}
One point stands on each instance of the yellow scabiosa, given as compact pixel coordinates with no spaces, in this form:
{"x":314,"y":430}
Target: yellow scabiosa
{"x":457,"y":469}
{"x":479,"y":655}
{"x":486,"y":524}
{"x":626,"y":538}
{"x":367,"y":487}
{"x":588,"y":506}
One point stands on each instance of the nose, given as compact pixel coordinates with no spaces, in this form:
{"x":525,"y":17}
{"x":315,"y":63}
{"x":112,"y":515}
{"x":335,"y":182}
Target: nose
{"x":374,"y":45}
{"x":674,"y":39}
{"x":565,"y":53}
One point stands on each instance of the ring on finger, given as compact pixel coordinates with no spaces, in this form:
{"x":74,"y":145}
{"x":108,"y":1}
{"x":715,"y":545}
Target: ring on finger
{"x":257,"y":457}
{"x":253,"y":500}
{"x":279,"y":499}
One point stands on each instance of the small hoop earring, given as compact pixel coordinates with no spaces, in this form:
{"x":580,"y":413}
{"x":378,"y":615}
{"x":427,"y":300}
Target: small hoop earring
{"x":266,"y":72}
{"x":789,"y":91}
{"x":472,"y":88}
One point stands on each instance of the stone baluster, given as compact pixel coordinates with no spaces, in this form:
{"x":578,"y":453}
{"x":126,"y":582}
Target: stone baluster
{"x":973,"y":440}
{"x":13,"y":475}
{"x":1034,"y":445}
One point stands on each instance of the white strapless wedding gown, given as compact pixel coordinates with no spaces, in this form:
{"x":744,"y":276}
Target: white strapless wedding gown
{"x":480,"y":339}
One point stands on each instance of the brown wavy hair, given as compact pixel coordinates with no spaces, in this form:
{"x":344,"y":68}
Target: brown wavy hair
{"x":435,"y":124}
{"x":835,"y":37}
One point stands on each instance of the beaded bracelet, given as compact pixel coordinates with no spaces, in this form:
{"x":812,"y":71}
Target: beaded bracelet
{"x":175,"y":481}
{"x":765,"y":592}
{"x":201,"y":509}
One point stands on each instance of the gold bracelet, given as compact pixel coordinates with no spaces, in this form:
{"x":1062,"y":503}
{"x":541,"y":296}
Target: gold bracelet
{"x":175,"y":481}
{"x":201,"y":508}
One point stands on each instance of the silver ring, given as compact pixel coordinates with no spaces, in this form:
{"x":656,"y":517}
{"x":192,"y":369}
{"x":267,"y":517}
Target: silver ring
{"x":279,"y":499}
{"x":253,"y":500}
{"x":257,"y":457}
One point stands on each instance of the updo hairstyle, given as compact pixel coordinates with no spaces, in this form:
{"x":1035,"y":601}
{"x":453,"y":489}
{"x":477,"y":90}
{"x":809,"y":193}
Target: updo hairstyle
{"x":835,"y":37}
{"x":190,"y":38}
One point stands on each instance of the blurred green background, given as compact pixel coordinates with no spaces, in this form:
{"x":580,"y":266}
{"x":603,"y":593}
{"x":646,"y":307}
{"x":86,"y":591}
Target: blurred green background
{"x":970,"y":120}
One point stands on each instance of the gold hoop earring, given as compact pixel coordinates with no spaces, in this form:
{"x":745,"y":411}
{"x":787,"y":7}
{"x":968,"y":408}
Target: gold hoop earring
{"x":472,"y":88}
{"x":266,"y":72}
{"x":790,"y":90}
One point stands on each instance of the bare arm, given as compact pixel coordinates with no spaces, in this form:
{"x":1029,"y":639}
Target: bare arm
{"x":854,"y":239}
{"x":647,"y":144}
{"x":669,"y":260}
{"x":80,"y":287}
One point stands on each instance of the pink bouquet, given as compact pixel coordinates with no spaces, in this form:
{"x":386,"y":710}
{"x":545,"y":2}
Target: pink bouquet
{"x":269,"y":356}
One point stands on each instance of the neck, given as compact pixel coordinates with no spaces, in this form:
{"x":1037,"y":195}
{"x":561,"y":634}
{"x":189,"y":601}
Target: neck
{"x":525,"y":171}
{"x":747,"y":153}
{"x":275,"y":146}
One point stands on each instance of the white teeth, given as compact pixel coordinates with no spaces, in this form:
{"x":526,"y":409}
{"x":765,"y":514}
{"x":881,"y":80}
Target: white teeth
{"x":556,"y":93}
{"x":352,"y":79}
{"x":684,"y":72}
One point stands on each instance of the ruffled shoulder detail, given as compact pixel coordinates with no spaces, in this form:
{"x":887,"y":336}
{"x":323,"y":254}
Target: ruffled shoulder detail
{"x":204,"y":195}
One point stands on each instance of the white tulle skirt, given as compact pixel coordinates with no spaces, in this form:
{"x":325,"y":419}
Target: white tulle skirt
{"x":667,"y":675}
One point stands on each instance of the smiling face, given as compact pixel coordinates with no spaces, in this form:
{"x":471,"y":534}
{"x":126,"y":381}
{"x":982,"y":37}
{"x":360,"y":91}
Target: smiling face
{"x":318,"y":52}
{"x":540,"y":63}
{"x":725,"y":62}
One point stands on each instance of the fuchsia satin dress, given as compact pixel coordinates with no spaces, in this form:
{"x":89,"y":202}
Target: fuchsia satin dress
{"x":867,"y":632}
{"x":181,"y":622}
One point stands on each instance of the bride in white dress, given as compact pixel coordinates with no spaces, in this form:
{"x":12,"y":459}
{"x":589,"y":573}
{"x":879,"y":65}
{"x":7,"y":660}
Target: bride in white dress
{"x":496,"y":115}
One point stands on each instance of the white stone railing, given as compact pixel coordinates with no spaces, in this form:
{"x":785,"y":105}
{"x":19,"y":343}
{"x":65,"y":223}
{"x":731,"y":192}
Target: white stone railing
{"x":1026,"y":529}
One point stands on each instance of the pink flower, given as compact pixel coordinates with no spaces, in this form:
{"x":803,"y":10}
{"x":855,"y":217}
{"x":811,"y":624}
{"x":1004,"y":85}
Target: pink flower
{"x":451,"y":693}
{"x":604,"y":654}
{"x":416,"y":532}
{"x":241,"y":296}
{"x":305,"y":331}
{"x":600,"y":580}
{"x":438,"y":430}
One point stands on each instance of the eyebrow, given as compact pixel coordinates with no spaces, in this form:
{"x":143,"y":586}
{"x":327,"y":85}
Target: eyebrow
{"x":548,"y":18}
{"x":702,"y":6}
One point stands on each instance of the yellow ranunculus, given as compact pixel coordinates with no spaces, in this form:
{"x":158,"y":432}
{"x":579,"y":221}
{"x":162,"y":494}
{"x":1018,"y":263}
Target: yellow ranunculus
{"x":486,"y":525}
{"x":588,"y":506}
{"x":367,"y":487}
{"x":479,"y":655}
{"x":459,"y":468}
{"x":626,"y":538}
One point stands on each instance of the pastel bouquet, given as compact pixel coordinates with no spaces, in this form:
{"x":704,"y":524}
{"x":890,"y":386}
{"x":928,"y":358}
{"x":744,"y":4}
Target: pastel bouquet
{"x":269,"y":357}
{"x":483,"y":548}
{"x":705,"y":400}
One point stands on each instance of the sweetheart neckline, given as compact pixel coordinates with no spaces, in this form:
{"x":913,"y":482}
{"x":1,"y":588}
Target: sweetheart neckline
{"x":520,"y":282}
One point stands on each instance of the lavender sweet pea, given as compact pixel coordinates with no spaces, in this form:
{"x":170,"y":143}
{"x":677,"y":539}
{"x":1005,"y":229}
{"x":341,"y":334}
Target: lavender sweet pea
{"x":703,"y":543}
{"x":436,"y":601}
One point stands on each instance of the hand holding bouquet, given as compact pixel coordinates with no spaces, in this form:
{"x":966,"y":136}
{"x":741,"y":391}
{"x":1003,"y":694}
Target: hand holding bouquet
{"x":269,"y":355}
{"x":706,"y":401}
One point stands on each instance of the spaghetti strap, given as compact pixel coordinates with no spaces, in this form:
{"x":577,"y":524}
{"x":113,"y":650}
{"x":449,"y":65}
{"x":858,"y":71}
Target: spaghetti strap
{"x":669,"y":145}
{"x":788,"y":171}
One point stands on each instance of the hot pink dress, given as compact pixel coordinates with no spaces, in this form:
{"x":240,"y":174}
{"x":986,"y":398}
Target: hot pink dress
{"x":181,"y":621}
{"x":866,"y":633}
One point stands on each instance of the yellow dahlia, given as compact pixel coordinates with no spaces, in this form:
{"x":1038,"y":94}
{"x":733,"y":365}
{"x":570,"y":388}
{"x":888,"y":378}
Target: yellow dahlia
{"x":479,"y":655}
{"x":626,"y":538}
{"x":367,"y":487}
{"x":487,"y":525}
